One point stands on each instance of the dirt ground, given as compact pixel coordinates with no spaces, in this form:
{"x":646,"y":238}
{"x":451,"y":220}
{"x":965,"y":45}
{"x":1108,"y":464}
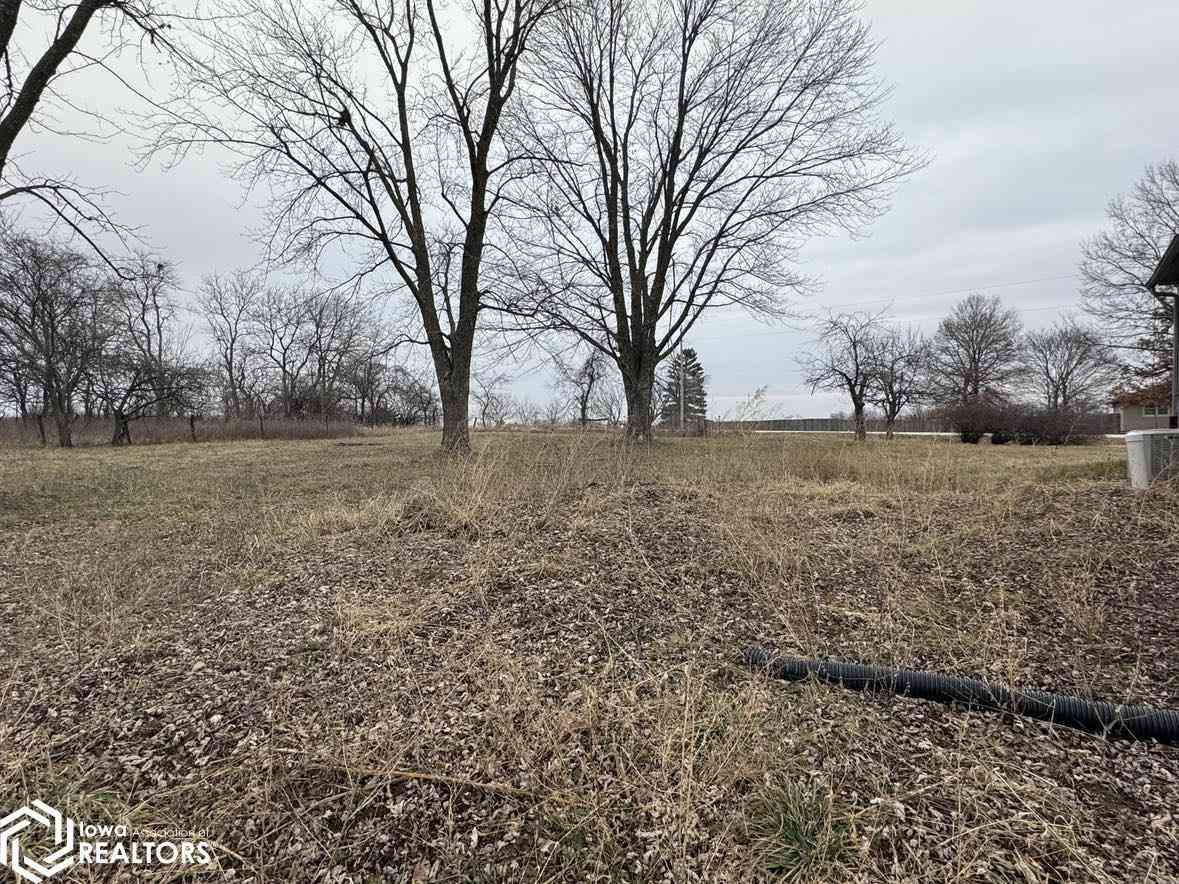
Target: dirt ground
{"x":353,"y":660}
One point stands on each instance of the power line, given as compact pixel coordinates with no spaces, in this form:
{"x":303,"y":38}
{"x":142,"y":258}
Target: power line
{"x":792,"y":331}
{"x":922,"y":296}
{"x":968,"y":290}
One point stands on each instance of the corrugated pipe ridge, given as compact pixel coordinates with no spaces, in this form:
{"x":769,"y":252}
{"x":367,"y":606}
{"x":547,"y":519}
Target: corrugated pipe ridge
{"x":1110,"y":720}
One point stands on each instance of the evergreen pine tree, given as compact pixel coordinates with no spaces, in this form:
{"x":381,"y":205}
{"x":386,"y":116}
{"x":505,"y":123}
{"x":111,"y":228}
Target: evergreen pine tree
{"x":695,"y":394}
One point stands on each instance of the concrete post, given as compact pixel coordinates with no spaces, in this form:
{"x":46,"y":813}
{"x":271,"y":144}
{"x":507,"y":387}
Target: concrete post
{"x":1151,"y":455}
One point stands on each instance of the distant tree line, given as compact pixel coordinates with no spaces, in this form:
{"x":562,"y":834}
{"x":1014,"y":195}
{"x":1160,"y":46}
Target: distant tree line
{"x":80,"y":339}
{"x":979,"y":369}
{"x":299,"y":353}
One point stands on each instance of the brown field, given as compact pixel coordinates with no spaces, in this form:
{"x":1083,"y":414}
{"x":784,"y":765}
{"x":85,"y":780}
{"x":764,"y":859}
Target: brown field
{"x":18,"y":432}
{"x":355,"y":661}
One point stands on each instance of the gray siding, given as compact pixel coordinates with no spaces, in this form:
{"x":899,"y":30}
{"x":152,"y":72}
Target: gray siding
{"x":1133,"y":418}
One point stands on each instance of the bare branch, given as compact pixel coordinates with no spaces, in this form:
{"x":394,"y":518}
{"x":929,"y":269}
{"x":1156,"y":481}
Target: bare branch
{"x":685,"y":151}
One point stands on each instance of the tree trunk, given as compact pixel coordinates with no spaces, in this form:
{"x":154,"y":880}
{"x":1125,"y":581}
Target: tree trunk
{"x":456,"y":437}
{"x":639,"y":396}
{"x":888,"y":428}
{"x":41,"y":427}
{"x":860,"y":427}
{"x":65,"y":430}
{"x":122,"y":430}
{"x":453,"y":370}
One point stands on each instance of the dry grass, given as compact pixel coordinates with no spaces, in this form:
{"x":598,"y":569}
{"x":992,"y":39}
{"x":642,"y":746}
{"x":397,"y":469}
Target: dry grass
{"x":151,"y":430}
{"x":361,"y":661}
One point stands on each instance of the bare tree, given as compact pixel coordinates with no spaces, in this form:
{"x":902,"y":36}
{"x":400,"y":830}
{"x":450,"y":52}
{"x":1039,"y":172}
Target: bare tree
{"x":227,"y":303}
{"x":142,"y":367}
{"x":526,"y":412}
{"x":418,"y":397}
{"x":899,"y":360}
{"x":975,"y":352}
{"x":374,"y":380}
{"x":16,"y":382}
{"x":149,"y":317}
{"x":582,"y":383}
{"x":257,"y":390}
{"x":687,"y":149}
{"x":610,"y":401}
{"x":492,"y":397}
{"x":1120,"y":259}
{"x":554,"y":410}
{"x":1069,"y":364}
{"x":281,"y":330}
{"x":53,"y":322}
{"x":30,"y":80}
{"x":130,"y":384}
{"x":336,"y":323}
{"x":335,"y":108}
{"x":844,"y":360}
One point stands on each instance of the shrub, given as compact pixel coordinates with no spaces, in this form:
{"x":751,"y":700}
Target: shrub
{"x":1026,"y":424}
{"x":1032,"y":425}
{"x":972,"y":419}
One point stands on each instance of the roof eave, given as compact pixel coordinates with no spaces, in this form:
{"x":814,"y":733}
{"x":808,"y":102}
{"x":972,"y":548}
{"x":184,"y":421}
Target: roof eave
{"x":1166,"y":273}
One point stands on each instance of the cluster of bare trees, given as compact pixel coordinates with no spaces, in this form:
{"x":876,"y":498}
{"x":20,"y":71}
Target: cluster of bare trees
{"x":606,"y":170}
{"x":584,"y":392}
{"x":299,"y":353}
{"x":873,"y":363}
{"x":80,"y":339}
{"x":587,"y":389}
{"x":981,"y":351}
{"x":76,"y":338}
{"x":979,"y":354}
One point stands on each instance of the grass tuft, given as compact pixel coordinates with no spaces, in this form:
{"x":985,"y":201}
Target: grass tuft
{"x":798,"y":834}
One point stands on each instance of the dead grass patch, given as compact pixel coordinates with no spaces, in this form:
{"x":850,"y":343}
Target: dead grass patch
{"x":358,"y":662}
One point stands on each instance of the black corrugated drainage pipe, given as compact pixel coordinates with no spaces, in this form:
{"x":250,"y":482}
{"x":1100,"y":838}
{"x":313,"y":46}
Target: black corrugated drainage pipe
{"x":1107,"y":719}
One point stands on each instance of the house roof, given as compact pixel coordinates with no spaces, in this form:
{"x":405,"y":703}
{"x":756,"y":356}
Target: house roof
{"x":1167,"y":271}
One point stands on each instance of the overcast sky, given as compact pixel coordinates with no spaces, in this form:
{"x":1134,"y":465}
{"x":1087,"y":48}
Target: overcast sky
{"x":1034,"y":115}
